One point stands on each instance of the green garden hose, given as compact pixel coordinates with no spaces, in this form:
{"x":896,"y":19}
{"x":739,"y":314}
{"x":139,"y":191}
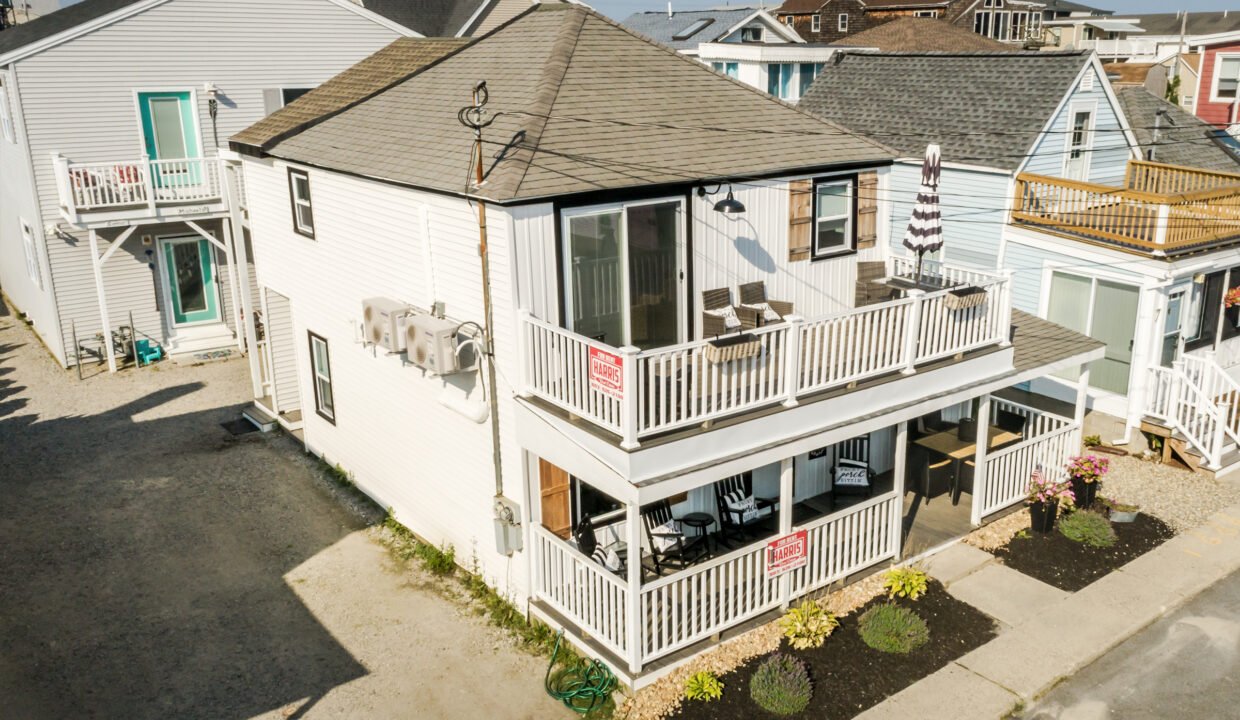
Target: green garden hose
{"x":581,"y":689}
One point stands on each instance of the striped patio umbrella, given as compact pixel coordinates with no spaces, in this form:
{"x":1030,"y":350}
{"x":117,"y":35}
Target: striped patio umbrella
{"x":925,"y":227}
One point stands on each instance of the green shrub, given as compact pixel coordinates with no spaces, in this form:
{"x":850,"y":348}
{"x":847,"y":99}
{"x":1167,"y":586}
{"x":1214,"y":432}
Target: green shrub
{"x":1092,"y":440}
{"x":905,"y":582}
{"x":808,"y":626}
{"x":893,"y":629}
{"x":703,"y":686}
{"x":781,"y":685}
{"x":1086,"y":526}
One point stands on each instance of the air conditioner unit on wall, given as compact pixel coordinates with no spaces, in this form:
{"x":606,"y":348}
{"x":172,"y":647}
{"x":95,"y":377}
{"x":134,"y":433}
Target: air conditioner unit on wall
{"x":431,"y":343}
{"x":383,"y":322}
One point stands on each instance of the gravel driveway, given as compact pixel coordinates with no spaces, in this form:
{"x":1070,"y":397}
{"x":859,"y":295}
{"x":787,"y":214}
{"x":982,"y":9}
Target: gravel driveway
{"x":154,"y":566}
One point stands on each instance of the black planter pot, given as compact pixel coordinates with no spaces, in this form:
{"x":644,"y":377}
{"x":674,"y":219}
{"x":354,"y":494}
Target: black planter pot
{"x":1042,"y":516}
{"x":1233,"y":315}
{"x":1084,"y":493}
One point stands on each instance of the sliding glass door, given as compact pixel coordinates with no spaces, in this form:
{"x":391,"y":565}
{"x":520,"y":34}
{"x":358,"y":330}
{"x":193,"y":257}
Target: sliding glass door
{"x":624,"y":273}
{"x":1104,"y":310}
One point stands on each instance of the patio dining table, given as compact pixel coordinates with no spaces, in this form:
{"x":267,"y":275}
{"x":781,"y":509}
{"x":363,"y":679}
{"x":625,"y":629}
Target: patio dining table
{"x":949,"y":444}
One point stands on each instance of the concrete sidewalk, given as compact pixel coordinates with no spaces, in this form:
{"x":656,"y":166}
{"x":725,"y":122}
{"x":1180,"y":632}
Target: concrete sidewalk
{"x":1046,"y":636}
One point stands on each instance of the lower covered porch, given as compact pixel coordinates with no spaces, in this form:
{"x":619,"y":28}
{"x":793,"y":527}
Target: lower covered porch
{"x":645,"y":576}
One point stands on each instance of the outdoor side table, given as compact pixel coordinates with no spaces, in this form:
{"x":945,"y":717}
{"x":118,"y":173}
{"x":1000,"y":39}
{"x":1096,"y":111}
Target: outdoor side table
{"x":701,"y":522}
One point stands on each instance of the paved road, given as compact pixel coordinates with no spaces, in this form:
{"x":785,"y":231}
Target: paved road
{"x":154,"y":566}
{"x":1185,"y":666}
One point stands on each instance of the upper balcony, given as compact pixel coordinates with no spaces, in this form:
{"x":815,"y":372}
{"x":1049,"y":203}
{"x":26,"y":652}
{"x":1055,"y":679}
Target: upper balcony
{"x":634,"y":395}
{"x":114,"y":192}
{"x":1161,"y":210}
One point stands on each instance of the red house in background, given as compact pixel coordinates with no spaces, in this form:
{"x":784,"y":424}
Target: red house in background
{"x":1218,"y":84}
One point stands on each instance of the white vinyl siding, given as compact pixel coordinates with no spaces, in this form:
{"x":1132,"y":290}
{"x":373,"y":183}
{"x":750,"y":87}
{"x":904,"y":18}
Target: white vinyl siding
{"x":1107,"y":152}
{"x":79,"y":99}
{"x":973,"y":209}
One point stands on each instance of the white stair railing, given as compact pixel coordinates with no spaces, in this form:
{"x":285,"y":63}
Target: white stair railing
{"x":1177,"y":399}
{"x":1216,"y":384}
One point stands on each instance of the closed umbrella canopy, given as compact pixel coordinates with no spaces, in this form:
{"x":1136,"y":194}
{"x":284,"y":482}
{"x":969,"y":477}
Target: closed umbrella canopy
{"x":925,"y":227}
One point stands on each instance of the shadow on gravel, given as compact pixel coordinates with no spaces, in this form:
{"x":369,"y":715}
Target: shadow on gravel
{"x":142,"y":564}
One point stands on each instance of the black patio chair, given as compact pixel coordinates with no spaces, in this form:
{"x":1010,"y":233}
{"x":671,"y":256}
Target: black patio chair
{"x":588,"y":544}
{"x":732,"y":492}
{"x":669,"y":546}
{"x":852,"y":474}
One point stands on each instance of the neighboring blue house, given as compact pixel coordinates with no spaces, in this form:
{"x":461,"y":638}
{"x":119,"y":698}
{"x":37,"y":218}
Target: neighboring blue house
{"x":1043,"y":177}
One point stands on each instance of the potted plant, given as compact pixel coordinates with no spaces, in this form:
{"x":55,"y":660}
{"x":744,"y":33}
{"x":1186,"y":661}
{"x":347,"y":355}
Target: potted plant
{"x":1086,"y":473}
{"x":1045,"y":496}
{"x":1119,"y":512}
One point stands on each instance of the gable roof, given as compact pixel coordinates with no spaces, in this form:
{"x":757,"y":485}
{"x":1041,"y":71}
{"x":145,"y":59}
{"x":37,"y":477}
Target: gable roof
{"x":913,"y":34}
{"x":389,"y":65}
{"x":579,"y":104}
{"x":678,"y":31}
{"x":800,"y":7}
{"x":1070,"y":7}
{"x":1199,"y":23}
{"x":432,"y":18}
{"x":1182,"y":138}
{"x":982,"y":108}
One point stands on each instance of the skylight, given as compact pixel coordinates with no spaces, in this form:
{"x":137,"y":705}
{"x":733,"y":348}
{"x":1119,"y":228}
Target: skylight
{"x":693,"y":29}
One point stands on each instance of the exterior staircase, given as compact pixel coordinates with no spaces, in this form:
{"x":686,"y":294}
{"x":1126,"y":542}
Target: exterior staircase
{"x":1195,"y":407}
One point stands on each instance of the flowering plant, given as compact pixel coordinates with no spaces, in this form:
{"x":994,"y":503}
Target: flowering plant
{"x":1046,"y":489}
{"x":1232,"y":297}
{"x":1088,"y":468}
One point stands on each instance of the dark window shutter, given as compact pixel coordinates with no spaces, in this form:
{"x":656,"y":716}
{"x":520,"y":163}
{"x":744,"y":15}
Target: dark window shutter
{"x":867,"y":210}
{"x":800,"y":218}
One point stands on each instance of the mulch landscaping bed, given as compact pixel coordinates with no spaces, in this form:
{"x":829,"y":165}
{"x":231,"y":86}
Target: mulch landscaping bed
{"x":849,"y":676}
{"x":1056,"y":560}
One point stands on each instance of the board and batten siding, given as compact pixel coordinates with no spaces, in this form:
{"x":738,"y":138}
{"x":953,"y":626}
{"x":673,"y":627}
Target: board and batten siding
{"x":80,"y":101}
{"x":973,"y":205}
{"x":394,"y":431}
{"x":18,"y":203}
{"x":1110,"y":151}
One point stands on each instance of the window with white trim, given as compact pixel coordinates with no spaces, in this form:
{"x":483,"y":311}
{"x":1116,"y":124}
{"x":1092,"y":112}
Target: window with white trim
{"x":321,"y":373}
{"x":842,"y":24}
{"x":926,"y":13}
{"x":32,"y":255}
{"x":1226,"y":76}
{"x":833,"y":216}
{"x":752,"y":34}
{"x":789,"y":20}
{"x":815,"y":23}
{"x":6,"y":114}
{"x":299,"y":196}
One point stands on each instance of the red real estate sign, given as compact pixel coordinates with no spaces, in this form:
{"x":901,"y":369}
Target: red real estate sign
{"x":607,"y":373}
{"x":787,"y":553}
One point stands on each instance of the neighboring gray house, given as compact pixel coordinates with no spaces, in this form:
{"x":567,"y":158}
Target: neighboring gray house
{"x":1169,"y":135}
{"x":115,"y":198}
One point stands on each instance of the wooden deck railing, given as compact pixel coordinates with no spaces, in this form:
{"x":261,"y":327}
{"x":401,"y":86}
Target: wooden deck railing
{"x":1150,"y":214}
{"x":636,"y":394}
{"x":115,"y":185}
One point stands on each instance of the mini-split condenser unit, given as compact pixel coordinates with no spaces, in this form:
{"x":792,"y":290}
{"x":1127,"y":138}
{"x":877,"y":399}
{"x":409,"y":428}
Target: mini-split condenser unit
{"x":383,"y":323}
{"x":430,"y":343}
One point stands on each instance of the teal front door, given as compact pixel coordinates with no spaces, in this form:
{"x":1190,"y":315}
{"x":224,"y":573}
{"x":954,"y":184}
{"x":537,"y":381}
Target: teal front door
{"x":191,"y":280}
{"x":170,"y":136}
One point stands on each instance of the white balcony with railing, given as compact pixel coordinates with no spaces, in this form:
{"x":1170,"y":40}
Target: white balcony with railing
{"x":101,"y":192}
{"x":636,"y":394}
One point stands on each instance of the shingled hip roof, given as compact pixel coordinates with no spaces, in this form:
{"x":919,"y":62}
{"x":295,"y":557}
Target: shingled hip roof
{"x":579,"y":104}
{"x":914,"y":34}
{"x":983,"y":109}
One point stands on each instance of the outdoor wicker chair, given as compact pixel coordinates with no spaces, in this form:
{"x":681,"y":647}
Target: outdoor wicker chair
{"x":715,"y":304}
{"x":753,"y":297}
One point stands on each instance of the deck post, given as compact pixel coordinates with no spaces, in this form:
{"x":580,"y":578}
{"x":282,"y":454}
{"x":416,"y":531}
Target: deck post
{"x":633,"y":542}
{"x":523,"y":347}
{"x":912,"y":332}
{"x":1082,"y":400}
{"x":1005,"y":318}
{"x":899,"y":472}
{"x":792,"y":359}
{"x":787,"y":472}
{"x":629,"y":405}
{"x":96,"y":264}
{"x":148,"y":180}
{"x":979,"y":459}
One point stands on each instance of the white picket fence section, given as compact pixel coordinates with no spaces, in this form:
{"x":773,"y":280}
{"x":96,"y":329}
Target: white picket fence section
{"x":690,"y":606}
{"x":674,"y":387}
{"x":94,"y":186}
{"x":581,"y":589}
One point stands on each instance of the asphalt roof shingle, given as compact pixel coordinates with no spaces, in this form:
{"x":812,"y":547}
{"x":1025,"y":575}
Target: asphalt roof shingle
{"x":914,"y":34}
{"x":432,"y":18}
{"x":659,"y":27}
{"x":1184,"y":141}
{"x":981,"y":108}
{"x":579,"y":104}
{"x":57,"y":22}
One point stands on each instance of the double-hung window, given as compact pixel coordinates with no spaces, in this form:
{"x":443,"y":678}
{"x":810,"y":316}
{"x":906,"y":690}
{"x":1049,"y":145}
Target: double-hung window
{"x":32,"y":255}
{"x":299,"y":195}
{"x":833,"y":216}
{"x":321,"y":371}
{"x":815,"y":23}
{"x":751,"y":35}
{"x":779,"y":80}
{"x":843,"y":23}
{"x":1226,"y":77}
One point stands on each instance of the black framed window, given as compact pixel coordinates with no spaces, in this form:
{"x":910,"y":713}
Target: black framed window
{"x":835,"y":226}
{"x":299,"y":198}
{"x":321,"y":372}
{"x":1208,"y":311}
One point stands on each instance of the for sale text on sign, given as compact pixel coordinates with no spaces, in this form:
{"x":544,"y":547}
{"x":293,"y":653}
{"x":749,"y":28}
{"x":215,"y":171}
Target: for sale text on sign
{"x":787,"y":553}
{"x":607,"y":373}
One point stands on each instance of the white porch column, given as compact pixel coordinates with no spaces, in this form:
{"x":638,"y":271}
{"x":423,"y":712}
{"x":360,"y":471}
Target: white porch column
{"x":787,"y":473}
{"x":1082,"y":400}
{"x":236,"y":240}
{"x":96,"y":264}
{"x":633,"y":541}
{"x":979,"y":459}
{"x":900,"y":473}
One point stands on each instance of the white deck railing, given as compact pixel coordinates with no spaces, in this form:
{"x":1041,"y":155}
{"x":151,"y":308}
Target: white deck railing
{"x":116,"y":185}
{"x":581,"y":589}
{"x":849,"y":541}
{"x":636,"y":393}
{"x":1177,"y":397}
{"x":1048,"y":440}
